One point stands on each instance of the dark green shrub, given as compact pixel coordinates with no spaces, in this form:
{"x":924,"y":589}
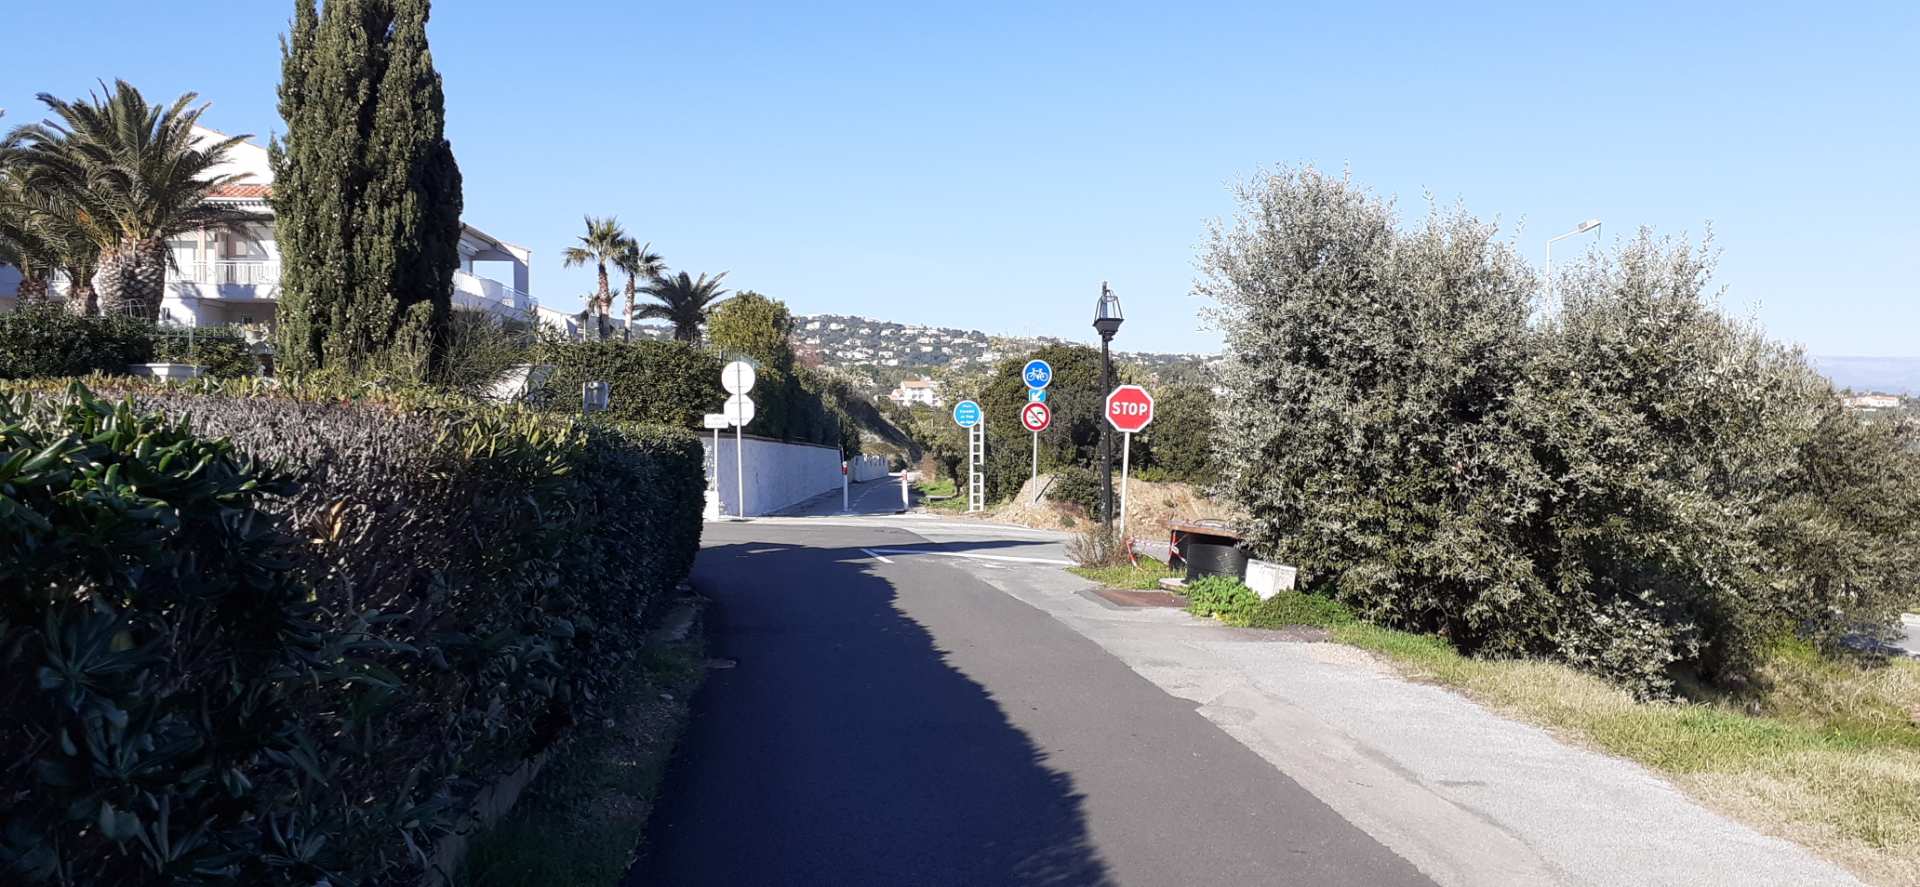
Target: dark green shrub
{"x":220,"y":352}
{"x":662,"y":383}
{"x":45,"y":341}
{"x":153,"y":644}
{"x":1078,"y":487}
{"x":478,"y":576}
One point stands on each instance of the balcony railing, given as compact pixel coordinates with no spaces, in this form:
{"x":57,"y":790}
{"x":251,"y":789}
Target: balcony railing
{"x":469,"y":289}
{"x":238,"y":273}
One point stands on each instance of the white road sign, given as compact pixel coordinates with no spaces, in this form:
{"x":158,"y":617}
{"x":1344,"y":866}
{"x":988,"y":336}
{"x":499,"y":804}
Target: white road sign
{"x":739,"y":410}
{"x":737,"y":378}
{"x":717,"y":421}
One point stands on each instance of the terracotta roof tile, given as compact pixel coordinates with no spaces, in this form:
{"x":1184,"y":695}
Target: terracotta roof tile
{"x":242,"y":192}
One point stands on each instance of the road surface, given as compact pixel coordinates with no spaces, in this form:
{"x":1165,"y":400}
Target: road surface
{"x":923,"y":701}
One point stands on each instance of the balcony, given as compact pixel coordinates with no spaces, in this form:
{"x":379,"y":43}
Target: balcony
{"x":243,"y":281}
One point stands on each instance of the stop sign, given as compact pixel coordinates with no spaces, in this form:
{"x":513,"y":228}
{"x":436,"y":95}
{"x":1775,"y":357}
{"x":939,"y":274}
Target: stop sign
{"x":1036,"y":417}
{"x":1129,"y":408}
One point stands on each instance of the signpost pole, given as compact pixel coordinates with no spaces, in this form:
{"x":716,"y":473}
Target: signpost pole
{"x":1126,"y":451}
{"x":740,"y":471}
{"x":905,"y":502}
{"x":1036,"y":457}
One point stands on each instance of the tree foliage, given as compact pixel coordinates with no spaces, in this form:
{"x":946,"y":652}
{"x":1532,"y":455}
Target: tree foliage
{"x":1636,"y":485}
{"x":100,"y":187}
{"x":367,"y":195}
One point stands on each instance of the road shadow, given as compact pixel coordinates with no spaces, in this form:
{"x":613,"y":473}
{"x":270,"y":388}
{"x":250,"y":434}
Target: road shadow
{"x":844,"y":749}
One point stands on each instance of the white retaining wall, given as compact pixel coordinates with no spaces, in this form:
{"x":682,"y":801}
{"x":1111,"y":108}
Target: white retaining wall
{"x":866,"y":468}
{"x":778,"y":474}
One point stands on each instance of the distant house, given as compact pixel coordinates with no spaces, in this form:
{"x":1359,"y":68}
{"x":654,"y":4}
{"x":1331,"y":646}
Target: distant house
{"x":912,"y":392}
{"x":231,"y":275}
{"x":1871,"y":402}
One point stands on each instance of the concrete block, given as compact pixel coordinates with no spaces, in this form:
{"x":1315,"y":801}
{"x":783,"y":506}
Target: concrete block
{"x":1268,"y":579}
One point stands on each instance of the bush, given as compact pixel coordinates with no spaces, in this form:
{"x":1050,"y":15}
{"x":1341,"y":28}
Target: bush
{"x":1223,"y":597}
{"x":1097,"y":545}
{"x":1638,"y":486}
{"x":655,"y":382}
{"x":466,"y":584}
{"x":220,"y":352}
{"x":1076,"y":486}
{"x":45,"y":341}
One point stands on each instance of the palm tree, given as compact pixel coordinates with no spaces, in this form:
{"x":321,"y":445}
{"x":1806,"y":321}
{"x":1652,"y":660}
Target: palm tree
{"x":602,"y":245}
{"x":40,"y":237}
{"x":637,"y":261}
{"x":683,"y":301}
{"x":131,"y":175}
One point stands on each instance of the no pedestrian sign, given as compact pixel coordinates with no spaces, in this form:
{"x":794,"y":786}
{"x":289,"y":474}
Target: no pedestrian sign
{"x":1036,"y":417}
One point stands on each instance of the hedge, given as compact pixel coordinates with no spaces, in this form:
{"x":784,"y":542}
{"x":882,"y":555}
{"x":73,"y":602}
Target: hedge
{"x":46,"y":341}
{"x":257,"y":636}
{"x":43,"y":341}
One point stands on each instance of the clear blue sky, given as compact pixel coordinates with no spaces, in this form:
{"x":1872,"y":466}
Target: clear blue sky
{"x":987,"y":166}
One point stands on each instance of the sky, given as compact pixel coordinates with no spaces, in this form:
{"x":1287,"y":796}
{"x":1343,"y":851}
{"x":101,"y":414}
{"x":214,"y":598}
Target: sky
{"x":987,"y":166}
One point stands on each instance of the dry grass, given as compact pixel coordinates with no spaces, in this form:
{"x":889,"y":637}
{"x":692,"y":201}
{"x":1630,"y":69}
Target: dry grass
{"x":1828,"y":756}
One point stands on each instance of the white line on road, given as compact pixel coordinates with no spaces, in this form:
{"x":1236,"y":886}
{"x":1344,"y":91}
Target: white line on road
{"x":970,"y":556}
{"x":877,"y":556}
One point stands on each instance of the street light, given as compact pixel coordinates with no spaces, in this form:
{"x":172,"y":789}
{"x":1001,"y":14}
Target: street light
{"x":1582,"y":228}
{"x":1106,"y":319}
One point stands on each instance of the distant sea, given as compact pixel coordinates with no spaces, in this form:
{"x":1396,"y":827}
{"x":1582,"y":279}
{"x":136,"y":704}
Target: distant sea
{"x":1883,"y":375}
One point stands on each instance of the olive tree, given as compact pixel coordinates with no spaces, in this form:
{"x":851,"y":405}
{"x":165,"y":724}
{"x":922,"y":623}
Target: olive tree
{"x":1368,"y":373}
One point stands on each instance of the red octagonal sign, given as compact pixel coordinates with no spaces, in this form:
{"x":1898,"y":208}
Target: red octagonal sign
{"x":1036,"y":416}
{"x":1129,"y":408}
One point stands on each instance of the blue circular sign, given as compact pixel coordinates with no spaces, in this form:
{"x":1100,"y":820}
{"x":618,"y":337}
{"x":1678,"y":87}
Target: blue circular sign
{"x":1038,"y":373}
{"x":966,"y":414}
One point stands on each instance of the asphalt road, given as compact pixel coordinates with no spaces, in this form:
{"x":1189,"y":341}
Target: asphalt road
{"x":893,"y":719}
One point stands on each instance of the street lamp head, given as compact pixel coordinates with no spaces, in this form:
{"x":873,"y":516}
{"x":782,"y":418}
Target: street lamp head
{"x":1587,"y":225}
{"x":1106,"y":315}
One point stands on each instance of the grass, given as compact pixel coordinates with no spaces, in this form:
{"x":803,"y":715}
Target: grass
{"x":953,"y":502}
{"x":581,"y":821}
{"x":1827,"y":754}
{"x":1145,"y":577}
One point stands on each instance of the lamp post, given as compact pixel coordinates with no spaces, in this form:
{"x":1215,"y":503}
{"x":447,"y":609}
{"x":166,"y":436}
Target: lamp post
{"x":1582,"y":228}
{"x":1106,"y":319}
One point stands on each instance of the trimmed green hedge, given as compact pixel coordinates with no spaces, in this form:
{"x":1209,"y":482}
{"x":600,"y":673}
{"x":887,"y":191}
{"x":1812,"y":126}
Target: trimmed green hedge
{"x":664,"y":383}
{"x":45,"y":341}
{"x":259,"y":636}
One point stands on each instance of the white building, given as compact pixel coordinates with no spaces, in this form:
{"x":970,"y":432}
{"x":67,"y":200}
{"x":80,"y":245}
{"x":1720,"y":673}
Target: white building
{"x":225,"y":276}
{"x":921,"y":391}
{"x":1871,"y":402}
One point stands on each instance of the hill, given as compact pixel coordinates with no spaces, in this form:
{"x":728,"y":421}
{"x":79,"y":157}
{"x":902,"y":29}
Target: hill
{"x":1883,"y":375}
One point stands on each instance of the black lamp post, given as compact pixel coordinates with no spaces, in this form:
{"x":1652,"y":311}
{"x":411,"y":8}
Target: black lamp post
{"x":1106,"y":319}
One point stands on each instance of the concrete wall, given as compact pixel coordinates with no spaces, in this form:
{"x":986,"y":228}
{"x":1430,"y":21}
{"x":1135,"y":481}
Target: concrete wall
{"x":866,"y":468}
{"x":778,"y":475}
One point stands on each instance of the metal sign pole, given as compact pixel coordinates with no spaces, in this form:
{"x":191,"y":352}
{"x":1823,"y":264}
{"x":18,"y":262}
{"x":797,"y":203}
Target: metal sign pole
{"x":740,"y":471}
{"x":1036,"y":457}
{"x":1126,"y":450}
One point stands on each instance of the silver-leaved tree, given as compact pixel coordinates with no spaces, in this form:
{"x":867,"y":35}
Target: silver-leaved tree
{"x":1635,"y":484}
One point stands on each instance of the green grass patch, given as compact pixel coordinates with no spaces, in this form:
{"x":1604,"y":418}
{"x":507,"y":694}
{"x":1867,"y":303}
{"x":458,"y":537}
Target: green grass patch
{"x":942,"y":495}
{"x":1825,"y":752}
{"x":1145,"y":577}
{"x":581,"y":821}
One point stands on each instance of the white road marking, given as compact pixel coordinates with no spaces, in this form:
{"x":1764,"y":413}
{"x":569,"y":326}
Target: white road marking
{"x":877,"y":556}
{"x":971,"y":556}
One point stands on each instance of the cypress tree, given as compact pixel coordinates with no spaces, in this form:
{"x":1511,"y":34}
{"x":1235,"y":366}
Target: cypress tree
{"x":366,"y":190}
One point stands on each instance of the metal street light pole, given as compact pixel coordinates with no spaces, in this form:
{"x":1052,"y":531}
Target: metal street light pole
{"x":1106,"y":319}
{"x":1582,"y":228}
